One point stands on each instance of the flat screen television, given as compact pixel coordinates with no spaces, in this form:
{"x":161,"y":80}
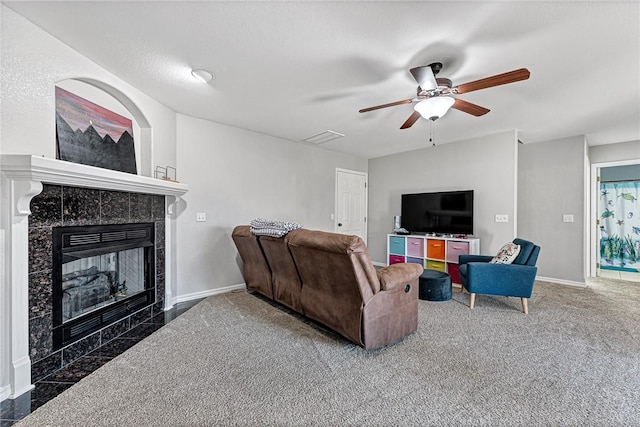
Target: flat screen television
{"x":447,"y":212}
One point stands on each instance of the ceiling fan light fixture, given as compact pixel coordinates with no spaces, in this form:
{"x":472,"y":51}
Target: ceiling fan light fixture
{"x":202,"y":75}
{"x":434,"y":108}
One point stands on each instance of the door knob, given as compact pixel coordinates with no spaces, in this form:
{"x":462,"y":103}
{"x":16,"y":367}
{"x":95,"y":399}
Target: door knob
{"x":339,"y":224}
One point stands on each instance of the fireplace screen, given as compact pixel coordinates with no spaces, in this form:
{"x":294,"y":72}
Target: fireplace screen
{"x":101,"y":274}
{"x":96,"y":281}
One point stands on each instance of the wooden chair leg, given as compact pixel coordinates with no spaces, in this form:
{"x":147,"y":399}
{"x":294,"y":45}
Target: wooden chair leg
{"x":525,"y":306}
{"x":472,"y":300}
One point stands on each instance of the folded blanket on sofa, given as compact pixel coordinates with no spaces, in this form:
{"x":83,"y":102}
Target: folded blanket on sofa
{"x":265,"y":227}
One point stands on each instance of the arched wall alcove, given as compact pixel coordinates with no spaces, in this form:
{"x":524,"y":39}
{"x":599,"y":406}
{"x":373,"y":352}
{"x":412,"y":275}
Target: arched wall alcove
{"x":143,"y":132}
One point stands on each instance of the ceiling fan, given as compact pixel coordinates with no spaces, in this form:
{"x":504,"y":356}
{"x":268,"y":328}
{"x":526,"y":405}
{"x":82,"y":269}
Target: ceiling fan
{"x":434,"y":94}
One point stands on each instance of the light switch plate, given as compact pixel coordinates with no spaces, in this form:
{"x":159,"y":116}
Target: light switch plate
{"x":567,"y":218}
{"x":502,"y":218}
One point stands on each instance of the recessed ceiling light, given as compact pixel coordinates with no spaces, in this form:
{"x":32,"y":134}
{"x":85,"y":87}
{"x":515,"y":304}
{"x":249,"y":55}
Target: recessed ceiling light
{"x":202,"y":75}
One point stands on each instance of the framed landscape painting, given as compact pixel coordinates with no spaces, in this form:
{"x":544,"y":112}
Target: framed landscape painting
{"x":89,"y":134}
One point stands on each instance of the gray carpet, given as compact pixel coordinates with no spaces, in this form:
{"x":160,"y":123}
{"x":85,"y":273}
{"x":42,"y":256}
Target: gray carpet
{"x":236,"y":359}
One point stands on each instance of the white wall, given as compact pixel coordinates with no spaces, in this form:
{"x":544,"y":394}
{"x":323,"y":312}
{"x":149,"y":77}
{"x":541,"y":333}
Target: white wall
{"x":32,"y":63}
{"x":234,"y":176}
{"x":615,"y":152}
{"x":486,"y":165}
{"x":551,"y":184}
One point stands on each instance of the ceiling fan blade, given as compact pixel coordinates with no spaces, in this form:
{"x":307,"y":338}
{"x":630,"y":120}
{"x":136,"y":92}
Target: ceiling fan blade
{"x":411,"y":120}
{"x":468,"y":107}
{"x":391,"y":104}
{"x":424,"y":76}
{"x":497,"y":80}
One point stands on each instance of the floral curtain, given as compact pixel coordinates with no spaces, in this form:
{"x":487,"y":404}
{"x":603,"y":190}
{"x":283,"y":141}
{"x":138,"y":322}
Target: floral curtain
{"x":619,"y":210}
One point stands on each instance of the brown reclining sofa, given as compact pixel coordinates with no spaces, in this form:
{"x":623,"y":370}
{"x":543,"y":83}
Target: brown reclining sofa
{"x":329,"y":277}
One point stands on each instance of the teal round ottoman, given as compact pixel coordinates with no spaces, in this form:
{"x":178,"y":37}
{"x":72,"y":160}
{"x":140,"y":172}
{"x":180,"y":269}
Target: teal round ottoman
{"x":434,"y":286}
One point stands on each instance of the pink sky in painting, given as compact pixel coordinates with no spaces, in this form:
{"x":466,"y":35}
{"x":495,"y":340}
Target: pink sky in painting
{"x":80,"y":114}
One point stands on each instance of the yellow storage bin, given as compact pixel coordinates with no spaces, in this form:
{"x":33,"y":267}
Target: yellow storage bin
{"x":436,"y":265}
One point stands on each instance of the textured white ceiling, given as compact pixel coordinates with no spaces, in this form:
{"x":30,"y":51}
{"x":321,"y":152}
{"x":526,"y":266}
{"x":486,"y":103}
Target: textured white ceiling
{"x":294,"y":69}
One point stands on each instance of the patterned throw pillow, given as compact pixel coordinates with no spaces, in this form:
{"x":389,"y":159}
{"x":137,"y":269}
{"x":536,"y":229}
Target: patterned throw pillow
{"x":507,"y":254}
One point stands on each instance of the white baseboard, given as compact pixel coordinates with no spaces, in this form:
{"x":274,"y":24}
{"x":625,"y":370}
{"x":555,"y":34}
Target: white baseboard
{"x":562,"y":281}
{"x":242,"y":286}
{"x":208,"y":293}
{"x":540,"y":278}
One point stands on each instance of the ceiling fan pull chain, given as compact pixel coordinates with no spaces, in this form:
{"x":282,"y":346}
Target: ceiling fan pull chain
{"x":433,"y":144}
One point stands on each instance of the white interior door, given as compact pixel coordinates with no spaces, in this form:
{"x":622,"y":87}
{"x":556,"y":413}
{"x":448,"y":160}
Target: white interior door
{"x":351,"y":203}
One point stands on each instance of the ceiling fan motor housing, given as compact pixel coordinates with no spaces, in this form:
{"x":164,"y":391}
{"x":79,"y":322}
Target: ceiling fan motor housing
{"x":444,"y":82}
{"x":444,"y":87}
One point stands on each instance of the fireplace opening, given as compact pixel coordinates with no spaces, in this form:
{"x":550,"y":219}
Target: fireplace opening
{"x":101,"y":274}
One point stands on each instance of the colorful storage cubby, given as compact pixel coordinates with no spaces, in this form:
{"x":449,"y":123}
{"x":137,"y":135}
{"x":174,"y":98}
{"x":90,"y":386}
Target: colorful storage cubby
{"x":395,"y":259}
{"x":436,"y":249}
{"x":415,"y":247}
{"x":432,"y":252}
{"x":453,"y":270}
{"x":455,"y":249}
{"x":436,"y":265}
{"x":396,"y":245}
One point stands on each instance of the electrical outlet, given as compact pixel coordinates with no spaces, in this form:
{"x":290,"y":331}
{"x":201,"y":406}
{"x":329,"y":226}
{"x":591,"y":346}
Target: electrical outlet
{"x":567,"y":218}
{"x":201,"y":216}
{"x":502,"y":218}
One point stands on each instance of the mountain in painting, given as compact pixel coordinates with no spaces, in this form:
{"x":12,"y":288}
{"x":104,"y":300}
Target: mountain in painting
{"x":127,"y":152}
{"x":89,"y":148}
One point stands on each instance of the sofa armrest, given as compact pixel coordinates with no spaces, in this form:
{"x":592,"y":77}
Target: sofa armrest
{"x":397,"y":276}
{"x":463,"y":259}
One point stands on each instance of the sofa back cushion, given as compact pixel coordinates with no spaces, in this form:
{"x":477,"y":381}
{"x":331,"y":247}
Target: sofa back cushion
{"x":255,"y":270}
{"x":286,"y":282}
{"x":337,"y":276}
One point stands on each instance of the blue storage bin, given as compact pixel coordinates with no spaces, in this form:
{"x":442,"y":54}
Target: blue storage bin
{"x":416,"y":260}
{"x":396,"y":245}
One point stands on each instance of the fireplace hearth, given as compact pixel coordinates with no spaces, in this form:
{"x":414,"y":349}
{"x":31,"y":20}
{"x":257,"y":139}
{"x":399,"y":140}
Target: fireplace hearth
{"x":101,"y":274}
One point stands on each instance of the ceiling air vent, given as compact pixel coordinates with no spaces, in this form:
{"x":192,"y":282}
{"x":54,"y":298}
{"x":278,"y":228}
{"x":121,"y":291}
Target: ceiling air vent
{"x":322,"y":137}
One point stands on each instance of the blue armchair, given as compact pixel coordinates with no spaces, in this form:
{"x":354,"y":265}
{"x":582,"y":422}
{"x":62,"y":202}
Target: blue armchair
{"x":478,"y":276}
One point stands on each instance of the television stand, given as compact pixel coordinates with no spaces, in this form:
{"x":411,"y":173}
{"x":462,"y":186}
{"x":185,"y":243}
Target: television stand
{"x":432,"y":252}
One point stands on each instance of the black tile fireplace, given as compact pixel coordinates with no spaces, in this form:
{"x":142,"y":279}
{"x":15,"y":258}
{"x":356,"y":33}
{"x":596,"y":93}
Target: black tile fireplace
{"x":101,"y":274}
{"x":55,"y":339}
{"x":40,"y":194}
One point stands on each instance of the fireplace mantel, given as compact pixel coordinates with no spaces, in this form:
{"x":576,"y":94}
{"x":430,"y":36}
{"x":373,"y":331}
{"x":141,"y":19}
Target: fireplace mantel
{"x":22,"y":178}
{"x":24,"y":167}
